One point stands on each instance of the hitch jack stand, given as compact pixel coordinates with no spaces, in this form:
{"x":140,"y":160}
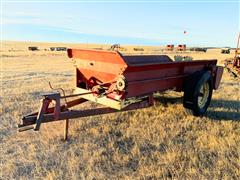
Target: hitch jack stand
{"x":48,"y":98}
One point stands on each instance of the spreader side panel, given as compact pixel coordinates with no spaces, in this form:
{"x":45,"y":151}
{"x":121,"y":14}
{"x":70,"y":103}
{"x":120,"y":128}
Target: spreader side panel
{"x":145,"y":79}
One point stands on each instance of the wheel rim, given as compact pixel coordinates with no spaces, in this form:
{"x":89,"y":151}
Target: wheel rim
{"x":203,"y":95}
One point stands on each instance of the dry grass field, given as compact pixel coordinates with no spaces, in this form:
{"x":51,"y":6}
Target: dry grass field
{"x":161,"y":142}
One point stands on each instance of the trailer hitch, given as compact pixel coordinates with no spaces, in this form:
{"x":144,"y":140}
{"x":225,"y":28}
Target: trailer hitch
{"x":44,"y":108}
{"x":62,"y":112}
{"x":54,"y":111}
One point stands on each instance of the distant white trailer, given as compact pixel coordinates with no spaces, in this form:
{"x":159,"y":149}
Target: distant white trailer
{"x":58,"y":48}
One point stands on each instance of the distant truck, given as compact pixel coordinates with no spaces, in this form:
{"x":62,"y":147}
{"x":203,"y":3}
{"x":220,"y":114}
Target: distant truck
{"x":33,"y":48}
{"x":225,"y":50}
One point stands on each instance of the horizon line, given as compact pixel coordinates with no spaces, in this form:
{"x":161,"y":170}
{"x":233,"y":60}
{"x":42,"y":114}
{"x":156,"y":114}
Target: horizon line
{"x":56,"y":42}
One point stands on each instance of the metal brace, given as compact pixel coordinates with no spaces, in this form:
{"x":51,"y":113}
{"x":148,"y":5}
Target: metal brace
{"x":48,"y":98}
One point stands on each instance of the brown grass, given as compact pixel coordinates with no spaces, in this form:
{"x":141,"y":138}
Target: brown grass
{"x":163,"y":141}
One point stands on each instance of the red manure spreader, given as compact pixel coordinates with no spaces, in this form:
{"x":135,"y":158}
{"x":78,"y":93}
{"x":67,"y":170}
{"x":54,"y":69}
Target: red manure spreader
{"x":126,"y":82}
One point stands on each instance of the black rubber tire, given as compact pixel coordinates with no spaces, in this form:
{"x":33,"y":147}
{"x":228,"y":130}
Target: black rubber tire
{"x":192,"y":87}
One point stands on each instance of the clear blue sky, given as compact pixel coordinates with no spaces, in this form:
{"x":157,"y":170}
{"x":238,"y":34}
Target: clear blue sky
{"x":214,"y":23}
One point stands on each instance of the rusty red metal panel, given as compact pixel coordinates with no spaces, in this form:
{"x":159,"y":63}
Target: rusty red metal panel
{"x":96,"y":55}
{"x":95,"y":67}
{"x":143,"y":79}
{"x":144,"y":87}
{"x":97,"y":75}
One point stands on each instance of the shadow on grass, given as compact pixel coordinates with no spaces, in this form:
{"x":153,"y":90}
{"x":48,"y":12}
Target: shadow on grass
{"x":230,"y":108}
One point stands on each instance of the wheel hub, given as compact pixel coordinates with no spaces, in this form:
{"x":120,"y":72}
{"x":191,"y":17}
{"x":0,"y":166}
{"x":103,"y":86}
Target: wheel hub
{"x":203,"y":95}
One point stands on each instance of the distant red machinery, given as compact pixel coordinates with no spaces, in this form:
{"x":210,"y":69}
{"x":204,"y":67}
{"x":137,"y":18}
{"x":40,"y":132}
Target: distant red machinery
{"x":182,"y":47}
{"x":122,"y":83}
{"x":233,"y":64}
{"x":170,"y":47}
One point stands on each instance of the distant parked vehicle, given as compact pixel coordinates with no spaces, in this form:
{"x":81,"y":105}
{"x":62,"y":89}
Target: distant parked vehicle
{"x":198,"y":49}
{"x":115,"y":47}
{"x":58,"y":48}
{"x":138,"y":49}
{"x":225,"y":50}
{"x":33,"y":48}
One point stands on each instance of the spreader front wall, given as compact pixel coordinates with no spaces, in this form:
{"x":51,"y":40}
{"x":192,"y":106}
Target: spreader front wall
{"x":100,"y":66}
